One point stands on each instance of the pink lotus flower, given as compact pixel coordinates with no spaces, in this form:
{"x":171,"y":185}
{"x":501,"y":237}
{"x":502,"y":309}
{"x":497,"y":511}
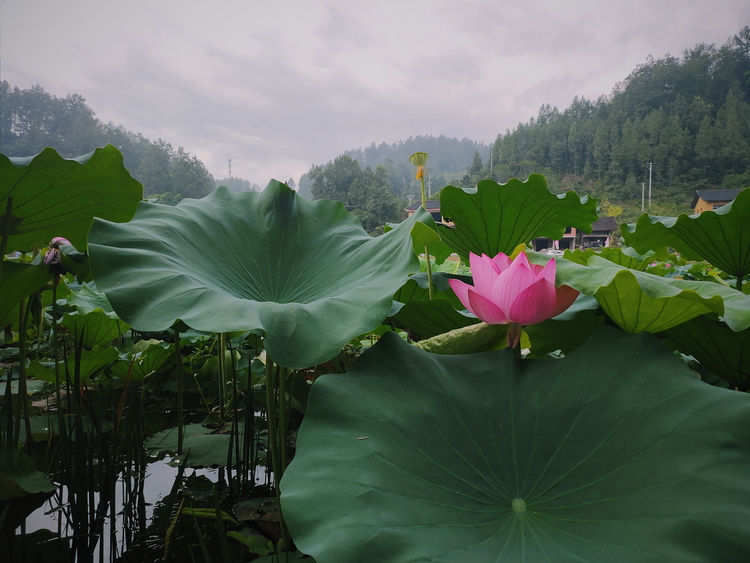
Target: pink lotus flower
{"x":52,"y":257}
{"x":513,"y":292}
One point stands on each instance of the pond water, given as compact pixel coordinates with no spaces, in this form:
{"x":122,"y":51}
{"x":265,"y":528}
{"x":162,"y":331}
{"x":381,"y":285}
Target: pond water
{"x":122,"y":530}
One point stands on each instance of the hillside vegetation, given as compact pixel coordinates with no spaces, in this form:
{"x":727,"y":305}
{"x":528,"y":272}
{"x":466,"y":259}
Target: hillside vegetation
{"x":682,"y":121}
{"x":689,"y":116}
{"x":33,"y":119}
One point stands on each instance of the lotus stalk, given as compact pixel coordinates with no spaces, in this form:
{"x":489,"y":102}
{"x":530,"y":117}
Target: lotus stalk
{"x":180,"y":392}
{"x":419,"y":159}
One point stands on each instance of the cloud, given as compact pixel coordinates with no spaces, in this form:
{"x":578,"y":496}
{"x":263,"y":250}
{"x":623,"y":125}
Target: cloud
{"x":279,"y":87}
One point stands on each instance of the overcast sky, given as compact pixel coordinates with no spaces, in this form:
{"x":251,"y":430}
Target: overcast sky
{"x":278,"y":86}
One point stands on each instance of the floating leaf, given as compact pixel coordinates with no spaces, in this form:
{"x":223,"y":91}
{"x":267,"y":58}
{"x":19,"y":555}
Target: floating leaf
{"x":304,"y":272}
{"x":497,"y":218}
{"x":51,"y":196}
{"x":615,"y":453}
{"x":203,"y":446}
{"x":20,"y":477}
{"x":721,"y":237}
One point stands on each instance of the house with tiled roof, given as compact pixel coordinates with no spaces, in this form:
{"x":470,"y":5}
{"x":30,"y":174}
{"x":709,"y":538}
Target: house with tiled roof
{"x":573,"y":238}
{"x":709,"y":200}
{"x":433,"y":207}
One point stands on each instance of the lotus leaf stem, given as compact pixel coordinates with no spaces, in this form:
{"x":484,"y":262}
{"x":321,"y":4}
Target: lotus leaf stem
{"x":180,"y":413}
{"x":6,"y":227}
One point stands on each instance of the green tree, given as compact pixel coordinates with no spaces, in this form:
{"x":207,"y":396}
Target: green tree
{"x":734,"y":123}
{"x":33,"y":119}
{"x":334,"y":180}
{"x":364,"y":192}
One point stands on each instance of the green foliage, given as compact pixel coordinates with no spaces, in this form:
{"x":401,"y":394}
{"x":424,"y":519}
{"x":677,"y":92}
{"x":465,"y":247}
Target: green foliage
{"x":721,"y":237}
{"x":638,"y":301}
{"x":485,"y":458}
{"x":202,"y":447}
{"x":471,"y":339}
{"x":20,"y":477}
{"x":689,"y":116}
{"x":717,"y":347}
{"x":87,"y":364}
{"x":240,"y":185}
{"x":18,"y":281}
{"x":93,"y":328}
{"x":33,"y":119}
{"x":47,"y":196}
{"x":364,"y":192}
{"x":497,"y":218}
{"x":449,"y":160}
{"x":308,"y":276}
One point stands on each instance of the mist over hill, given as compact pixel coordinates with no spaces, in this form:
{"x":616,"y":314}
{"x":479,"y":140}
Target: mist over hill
{"x":682,"y":121}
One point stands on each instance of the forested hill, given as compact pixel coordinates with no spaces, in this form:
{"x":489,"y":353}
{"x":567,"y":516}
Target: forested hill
{"x":449,"y":160}
{"x":688,"y":115}
{"x":33,"y":119}
{"x":449,"y":157}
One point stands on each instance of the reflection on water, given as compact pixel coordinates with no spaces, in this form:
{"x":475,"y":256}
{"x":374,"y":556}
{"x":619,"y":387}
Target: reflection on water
{"x":121,"y":530}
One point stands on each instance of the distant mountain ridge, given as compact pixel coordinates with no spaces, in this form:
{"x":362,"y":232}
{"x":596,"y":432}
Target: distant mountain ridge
{"x":683,"y":121}
{"x":33,"y":119}
{"x":449,"y":156}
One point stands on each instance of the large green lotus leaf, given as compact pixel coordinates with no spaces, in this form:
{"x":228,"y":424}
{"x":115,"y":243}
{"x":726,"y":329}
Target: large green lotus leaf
{"x":721,"y":237}
{"x":304,"y":272}
{"x":94,"y":328}
{"x":498,"y":217}
{"x":19,"y":476}
{"x":57,"y":197}
{"x":615,"y":453}
{"x":18,"y":281}
{"x":32,"y":385}
{"x":202,"y":446}
{"x":722,"y":350}
{"x":639,"y":301}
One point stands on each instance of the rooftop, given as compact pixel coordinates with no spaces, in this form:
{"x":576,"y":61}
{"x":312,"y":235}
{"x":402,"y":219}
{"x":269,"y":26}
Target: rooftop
{"x":715,"y":195}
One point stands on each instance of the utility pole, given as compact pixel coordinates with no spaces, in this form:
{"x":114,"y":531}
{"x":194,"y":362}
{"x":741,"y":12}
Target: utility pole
{"x":230,"y":167}
{"x":643,"y":196}
{"x":650,"y":169}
